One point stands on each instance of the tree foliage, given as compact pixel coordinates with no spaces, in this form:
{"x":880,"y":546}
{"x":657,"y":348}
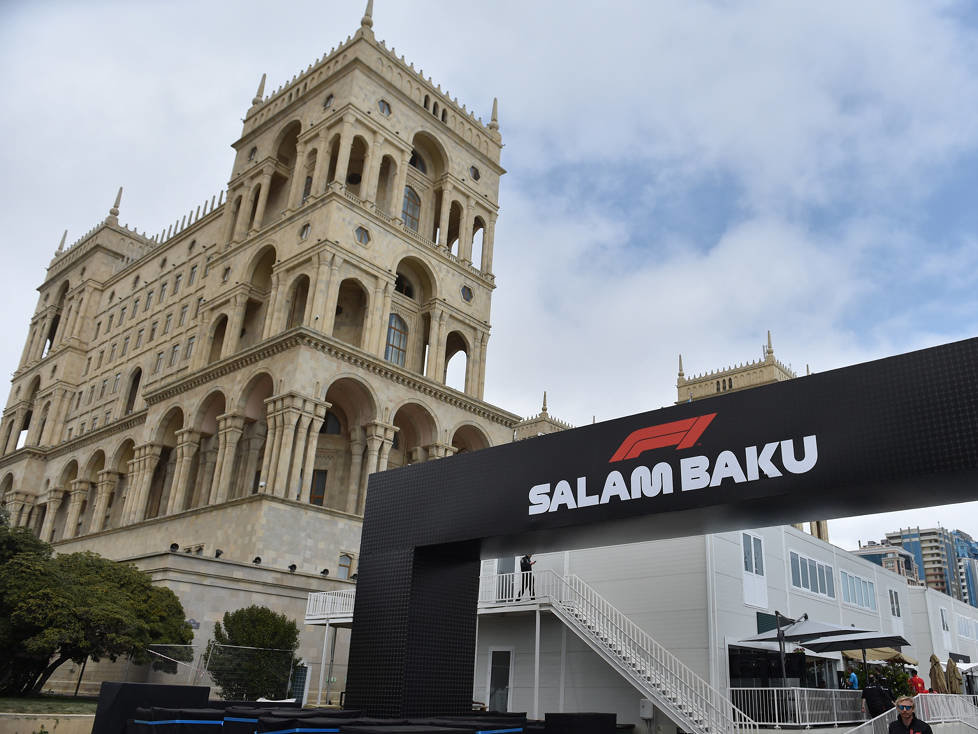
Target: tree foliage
{"x":253,"y":654}
{"x":72,"y":607}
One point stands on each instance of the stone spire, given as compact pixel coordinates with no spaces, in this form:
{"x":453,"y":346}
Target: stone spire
{"x":113,"y":217}
{"x":770,"y":350}
{"x":61,"y":247}
{"x":367,"y":21}
{"x":681,"y":375}
{"x":543,"y":410}
{"x":494,"y":121}
{"x":260,"y":94}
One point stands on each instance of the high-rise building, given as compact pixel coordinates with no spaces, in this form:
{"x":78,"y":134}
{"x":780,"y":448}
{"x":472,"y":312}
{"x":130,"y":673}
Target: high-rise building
{"x":891,"y":557}
{"x":935,"y":556}
{"x":966,"y":549}
{"x":209,"y":401}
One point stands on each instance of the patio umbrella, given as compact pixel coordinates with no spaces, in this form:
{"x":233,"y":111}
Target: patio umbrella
{"x":954,"y":679}
{"x":798,"y":630}
{"x":888,"y":654}
{"x":858,"y":640}
{"x":937,"y":680}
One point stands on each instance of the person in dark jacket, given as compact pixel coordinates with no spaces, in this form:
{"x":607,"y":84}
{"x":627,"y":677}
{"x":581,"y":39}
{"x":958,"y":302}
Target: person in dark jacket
{"x":906,"y":721}
{"x":876,"y":699}
{"x":526,"y":571}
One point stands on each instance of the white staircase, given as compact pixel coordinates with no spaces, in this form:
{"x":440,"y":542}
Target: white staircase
{"x":659,"y":675}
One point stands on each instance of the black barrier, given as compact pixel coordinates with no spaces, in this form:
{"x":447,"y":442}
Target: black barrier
{"x":891,"y":434}
{"x":117,"y":702}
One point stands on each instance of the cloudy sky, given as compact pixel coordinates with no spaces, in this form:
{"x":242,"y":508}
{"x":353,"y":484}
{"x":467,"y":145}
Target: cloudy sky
{"x":716,"y":168}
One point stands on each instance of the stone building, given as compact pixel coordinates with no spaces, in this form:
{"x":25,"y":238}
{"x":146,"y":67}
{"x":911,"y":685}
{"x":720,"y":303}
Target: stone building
{"x":209,"y":402}
{"x":742,"y":376}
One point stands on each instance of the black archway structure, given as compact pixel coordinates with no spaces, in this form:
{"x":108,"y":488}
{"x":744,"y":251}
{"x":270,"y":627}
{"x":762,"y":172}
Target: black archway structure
{"x":895,"y":433}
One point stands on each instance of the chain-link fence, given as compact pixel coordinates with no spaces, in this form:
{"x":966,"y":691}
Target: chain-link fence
{"x":232,"y":672}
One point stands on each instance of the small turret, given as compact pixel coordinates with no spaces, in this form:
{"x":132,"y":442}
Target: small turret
{"x":260,"y":94}
{"x":61,"y":245}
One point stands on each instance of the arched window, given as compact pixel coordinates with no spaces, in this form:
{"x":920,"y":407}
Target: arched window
{"x":345,"y":566}
{"x":397,"y":332}
{"x":411,"y":209}
{"x":418,"y":162}
{"x":718,"y":386}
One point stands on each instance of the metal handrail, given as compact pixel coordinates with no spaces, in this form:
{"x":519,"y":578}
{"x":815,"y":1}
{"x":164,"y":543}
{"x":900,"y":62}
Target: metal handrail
{"x":330,"y":604}
{"x":930,"y":707}
{"x":777,"y":707}
{"x":661,"y":675}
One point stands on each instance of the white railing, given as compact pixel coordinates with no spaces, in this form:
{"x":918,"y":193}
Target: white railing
{"x":664,"y":678}
{"x":799,"y":706}
{"x":330,"y":604}
{"x":934,"y":708}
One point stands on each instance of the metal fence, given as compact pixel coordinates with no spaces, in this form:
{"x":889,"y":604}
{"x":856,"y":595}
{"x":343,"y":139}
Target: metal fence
{"x":232,"y":672}
{"x":934,"y":708}
{"x":798,"y":706}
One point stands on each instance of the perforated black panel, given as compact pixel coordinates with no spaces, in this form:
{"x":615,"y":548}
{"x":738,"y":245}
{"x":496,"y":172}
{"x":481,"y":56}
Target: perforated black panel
{"x":890,"y":434}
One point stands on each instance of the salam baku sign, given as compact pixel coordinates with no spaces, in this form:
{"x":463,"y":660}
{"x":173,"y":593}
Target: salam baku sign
{"x":886,"y":435}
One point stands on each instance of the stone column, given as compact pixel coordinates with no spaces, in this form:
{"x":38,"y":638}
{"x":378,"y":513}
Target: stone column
{"x":230,"y":427}
{"x":346,"y":143}
{"x":296,"y":478}
{"x":465,"y":233}
{"x":31,"y":336}
{"x":436,"y":348}
{"x":52,"y":504}
{"x":271,"y":441}
{"x":309,"y":461}
{"x":289,"y":417}
{"x":266,"y":181}
{"x":371,"y":172}
{"x":332,"y":296}
{"x":15,"y":504}
{"x":269,"y":327}
{"x":298,"y":177}
{"x":232,"y":336}
{"x":487,"y":239}
{"x":397,"y":196}
{"x":230,"y":226}
{"x":483,"y":344}
{"x":188,"y":441}
{"x":471,"y":385}
{"x":374,"y":317}
{"x":79,"y":491}
{"x":380,"y":341}
{"x":59,"y":413}
{"x":385,"y":447}
{"x":76,"y":319}
{"x":106,"y":484}
{"x":322,"y":165}
{"x":376,"y":432}
{"x":356,"y":462}
{"x":416,"y":455}
{"x":141,"y":469}
{"x":320,"y":287}
{"x":241,"y":226}
{"x":38,"y":349}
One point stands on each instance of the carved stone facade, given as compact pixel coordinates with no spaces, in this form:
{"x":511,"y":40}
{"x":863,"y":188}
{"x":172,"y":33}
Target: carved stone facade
{"x":227,"y":387}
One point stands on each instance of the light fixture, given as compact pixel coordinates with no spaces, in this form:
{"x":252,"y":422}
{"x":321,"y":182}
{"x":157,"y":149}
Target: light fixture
{"x":174,"y":547}
{"x":354,"y":577}
{"x":325,"y":572}
{"x":292,"y":568}
{"x":218,"y":553}
{"x":257,"y":560}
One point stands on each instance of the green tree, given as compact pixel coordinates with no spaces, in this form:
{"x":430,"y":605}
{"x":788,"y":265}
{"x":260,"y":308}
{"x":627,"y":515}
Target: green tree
{"x":72,"y":607}
{"x":253,"y":654}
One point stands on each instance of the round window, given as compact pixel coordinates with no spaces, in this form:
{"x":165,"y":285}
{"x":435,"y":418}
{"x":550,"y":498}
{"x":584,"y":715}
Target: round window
{"x":474,"y":172}
{"x":384,"y":107}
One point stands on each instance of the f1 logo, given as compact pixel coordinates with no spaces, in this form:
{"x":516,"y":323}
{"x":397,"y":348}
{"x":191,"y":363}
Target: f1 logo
{"x":681,"y":434}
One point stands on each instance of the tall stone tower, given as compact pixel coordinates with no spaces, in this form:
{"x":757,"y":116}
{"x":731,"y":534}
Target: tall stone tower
{"x":742,"y":376}
{"x":225,"y":388}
